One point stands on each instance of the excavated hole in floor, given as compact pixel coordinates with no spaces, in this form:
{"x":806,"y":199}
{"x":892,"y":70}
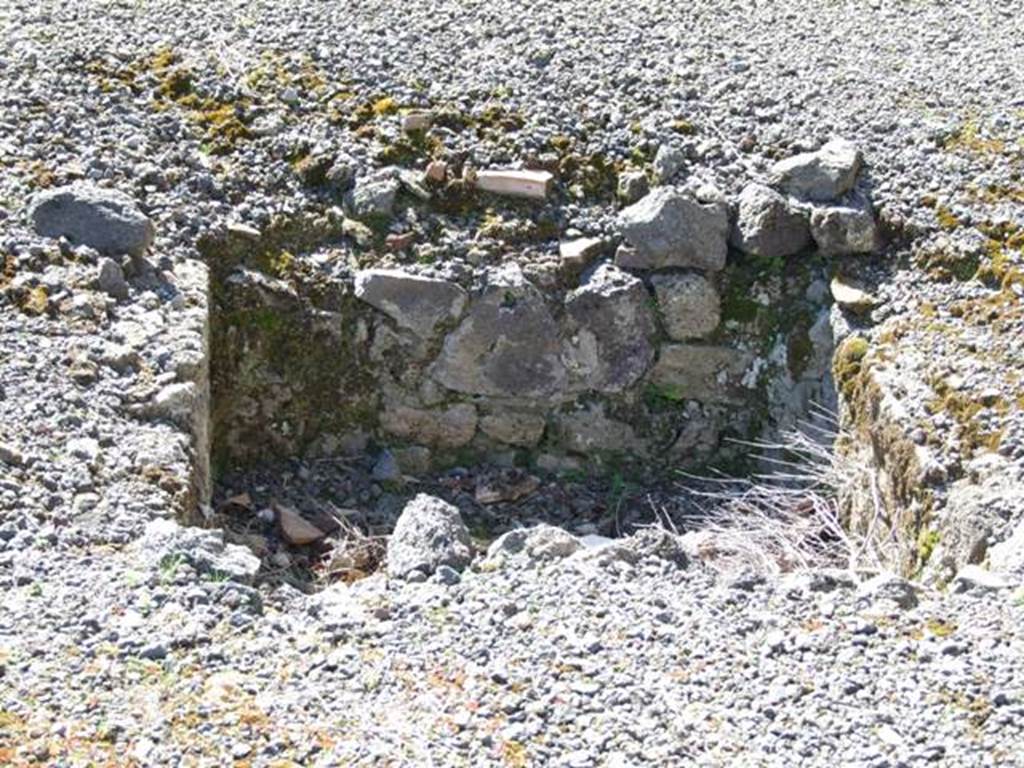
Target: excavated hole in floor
{"x":302,"y":370}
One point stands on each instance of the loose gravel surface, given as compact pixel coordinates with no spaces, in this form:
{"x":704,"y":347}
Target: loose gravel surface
{"x":117,"y":648}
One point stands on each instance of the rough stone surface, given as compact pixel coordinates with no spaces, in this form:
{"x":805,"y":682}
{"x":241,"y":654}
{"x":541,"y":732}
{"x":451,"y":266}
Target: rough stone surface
{"x":507,"y":344}
{"x":590,"y":431}
{"x":167,"y":544}
{"x":667,"y":228}
{"x":688,"y":304}
{"x":513,"y":427}
{"x":613,"y":327}
{"x":111,"y":280}
{"x":708,"y":374}
{"x":374,"y":196}
{"x":442,"y":427}
{"x":766,"y":225}
{"x":416,"y":303}
{"x":429,"y":534}
{"x":824,"y":175}
{"x":104,"y":219}
{"x":529,"y":547}
{"x":845,"y":229}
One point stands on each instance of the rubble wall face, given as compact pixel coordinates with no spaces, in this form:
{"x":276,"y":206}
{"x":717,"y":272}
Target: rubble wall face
{"x":638,"y":369}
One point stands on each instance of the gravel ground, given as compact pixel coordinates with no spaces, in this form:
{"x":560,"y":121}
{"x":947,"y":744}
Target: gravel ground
{"x":117,"y":648}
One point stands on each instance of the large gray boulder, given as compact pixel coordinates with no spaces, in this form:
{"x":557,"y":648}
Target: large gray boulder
{"x":507,"y":345}
{"x":429,"y":533}
{"x":612,"y":326}
{"x":668,"y":228}
{"x":688,"y":304}
{"x":104,"y":219}
{"x":845,"y":229}
{"x":819,"y":176}
{"x":766,"y":225}
{"x":419,"y":304}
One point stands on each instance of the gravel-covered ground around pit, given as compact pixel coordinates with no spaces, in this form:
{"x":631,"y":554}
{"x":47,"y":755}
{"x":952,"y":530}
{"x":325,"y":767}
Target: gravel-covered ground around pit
{"x":129,"y":638}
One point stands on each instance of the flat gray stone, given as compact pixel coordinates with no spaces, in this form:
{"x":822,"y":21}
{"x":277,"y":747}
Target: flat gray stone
{"x":104,"y":219}
{"x":707,"y":374}
{"x":429,"y":533}
{"x":513,"y":427}
{"x":419,"y":304}
{"x":670,"y":229}
{"x":688,"y":304}
{"x":612,"y":327}
{"x":508,"y":344}
{"x":819,"y":176}
{"x":442,"y":427}
{"x":766,"y":225}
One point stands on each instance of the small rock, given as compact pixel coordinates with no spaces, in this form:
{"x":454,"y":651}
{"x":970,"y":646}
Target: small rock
{"x":848,"y":294}
{"x":688,"y":304}
{"x":667,"y":162}
{"x":530,"y":546}
{"x":374,"y":196}
{"x":104,"y":219}
{"x":633,"y":186}
{"x":386,"y":469}
{"x":845,"y":229}
{"x":429,"y":533}
{"x":819,"y":176}
{"x":111,"y":280}
{"x":766,"y":225}
{"x":531,"y":184}
{"x":437,"y":171}
{"x":580,"y":252}
{"x":295,"y":529}
{"x":416,"y":121}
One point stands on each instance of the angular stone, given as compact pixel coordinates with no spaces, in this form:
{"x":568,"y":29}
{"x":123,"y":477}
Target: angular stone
{"x":688,"y":304}
{"x":669,"y":229}
{"x":845,"y":229}
{"x":633,"y":186}
{"x":819,"y":176}
{"x":589,"y":430}
{"x":111,"y":280}
{"x":667,"y":162}
{"x":374,"y":196}
{"x":766,"y":225}
{"x":165,"y":542}
{"x":612,"y":327}
{"x":513,"y":427}
{"x":581,"y":251}
{"x":416,"y":303}
{"x":507,"y":345}
{"x":429,"y":533}
{"x":442,"y":427}
{"x":528,"y":547}
{"x":104,"y":219}
{"x":707,"y":374}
